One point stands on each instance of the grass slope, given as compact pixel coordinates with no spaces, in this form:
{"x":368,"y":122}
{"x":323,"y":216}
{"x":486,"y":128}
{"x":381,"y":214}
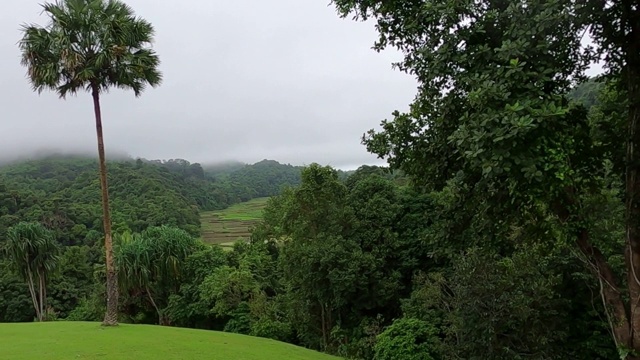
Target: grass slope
{"x":82,"y":340}
{"x":223,"y":227}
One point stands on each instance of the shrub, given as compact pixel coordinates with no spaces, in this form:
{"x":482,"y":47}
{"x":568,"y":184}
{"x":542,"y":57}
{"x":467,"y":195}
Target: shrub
{"x":407,"y":339}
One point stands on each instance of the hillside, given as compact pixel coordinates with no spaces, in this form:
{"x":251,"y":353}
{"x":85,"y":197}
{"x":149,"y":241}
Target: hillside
{"x":64,"y":192}
{"x":83,"y":340}
{"x":223,"y":227}
{"x":262,"y":179}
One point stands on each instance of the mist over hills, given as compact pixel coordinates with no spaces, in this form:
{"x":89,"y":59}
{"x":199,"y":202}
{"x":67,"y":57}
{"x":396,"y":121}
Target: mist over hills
{"x":209,"y":187}
{"x":210,"y":166}
{"x":52,"y":153}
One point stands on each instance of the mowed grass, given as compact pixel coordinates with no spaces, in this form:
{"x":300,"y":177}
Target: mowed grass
{"x":224,"y":227}
{"x":84,"y":340}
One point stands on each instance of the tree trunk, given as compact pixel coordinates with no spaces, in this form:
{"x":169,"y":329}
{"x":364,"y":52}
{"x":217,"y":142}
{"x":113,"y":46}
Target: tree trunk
{"x":32,"y":291}
{"x":612,"y":300}
{"x":161,"y":318}
{"x":111,"y":315}
{"x":324,"y":327}
{"x":632,"y":178}
{"x":615,"y":308}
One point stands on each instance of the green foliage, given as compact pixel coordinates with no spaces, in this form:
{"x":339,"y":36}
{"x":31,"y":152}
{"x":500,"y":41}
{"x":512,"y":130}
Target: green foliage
{"x":238,"y":291}
{"x":227,"y":288}
{"x":587,"y":93}
{"x":240,"y":320}
{"x":492,"y":297}
{"x":73,"y":281}
{"x":150,"y":264}
{"x":33,"y":252}
{"x":86,"y":311}
{"x":272,"y":329}
{"x":241,"y":182}
{"x":61,"y":193}
{"x":494,"y":138}
{"x":333,"y":262}
{"x":186,"y":307}
{"x":487,"y":109}
{"x":15,"y":303}
{"x":267,"y":178}
{"x":504,"y":162}
{"x":64,"y":195}
{"x":407,"y":338}
{"x":345,"y":283}
{"x":340,"y":257}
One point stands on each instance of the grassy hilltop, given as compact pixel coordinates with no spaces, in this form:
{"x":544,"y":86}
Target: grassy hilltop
{"x":85,"y":340}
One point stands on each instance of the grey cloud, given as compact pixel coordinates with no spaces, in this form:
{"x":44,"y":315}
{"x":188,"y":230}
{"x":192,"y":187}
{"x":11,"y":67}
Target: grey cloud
{"x":286,"y":79}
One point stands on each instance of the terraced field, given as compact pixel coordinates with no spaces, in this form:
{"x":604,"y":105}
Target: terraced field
{"x":224,"y":227}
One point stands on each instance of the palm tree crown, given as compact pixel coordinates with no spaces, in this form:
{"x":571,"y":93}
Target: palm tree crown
{"x":32,"y":248}
{"x":91,"y":45}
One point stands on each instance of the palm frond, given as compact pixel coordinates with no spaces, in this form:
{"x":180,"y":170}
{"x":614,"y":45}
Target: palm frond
{"x":90,"y":45}
{"x":31,"y":247}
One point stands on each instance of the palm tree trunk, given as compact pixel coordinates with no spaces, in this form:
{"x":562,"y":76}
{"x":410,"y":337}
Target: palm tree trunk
{"x":111,"y":315}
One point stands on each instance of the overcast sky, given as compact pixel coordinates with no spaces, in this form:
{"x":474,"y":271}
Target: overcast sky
{"x":246,"y":80}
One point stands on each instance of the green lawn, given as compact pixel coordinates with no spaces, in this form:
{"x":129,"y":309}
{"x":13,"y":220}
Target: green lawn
{"x":82,"y":340}
{"x":224,"y":227}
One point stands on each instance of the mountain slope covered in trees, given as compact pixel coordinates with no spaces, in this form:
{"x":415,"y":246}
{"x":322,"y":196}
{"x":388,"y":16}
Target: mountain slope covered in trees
{"x":63,"y":193}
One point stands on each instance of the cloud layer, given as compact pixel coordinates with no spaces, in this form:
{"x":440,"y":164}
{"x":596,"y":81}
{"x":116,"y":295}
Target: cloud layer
{"x":246,"y":80}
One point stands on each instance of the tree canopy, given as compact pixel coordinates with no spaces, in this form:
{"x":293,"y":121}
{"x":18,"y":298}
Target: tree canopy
{"x":493,"y":122}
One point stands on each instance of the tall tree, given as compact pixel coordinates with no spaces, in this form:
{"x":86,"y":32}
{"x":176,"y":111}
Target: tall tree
{"x":492,"y":118}
{"x":34,"y":254}
{"x":92,"y":45}
{"x":615,"y":27}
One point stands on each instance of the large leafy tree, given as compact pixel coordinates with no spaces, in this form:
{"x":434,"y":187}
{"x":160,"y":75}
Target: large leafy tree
{"x":615,"y":27}
{"x":92,"y":45}
{"x":492,"y":122}
{"x":33,"y":252}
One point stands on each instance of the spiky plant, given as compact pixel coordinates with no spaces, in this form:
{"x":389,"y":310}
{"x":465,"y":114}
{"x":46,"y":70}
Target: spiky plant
{"x":34,"y":254}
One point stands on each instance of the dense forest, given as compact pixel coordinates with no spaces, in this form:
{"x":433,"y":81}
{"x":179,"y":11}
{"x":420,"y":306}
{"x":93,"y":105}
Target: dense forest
{"x":61,"y":193}
{"x":505,"y":227}
{"x":356,"y":264}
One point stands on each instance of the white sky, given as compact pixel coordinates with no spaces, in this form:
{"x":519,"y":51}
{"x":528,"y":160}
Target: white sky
{"x":287,"y":80}
{"x":244,"y":80}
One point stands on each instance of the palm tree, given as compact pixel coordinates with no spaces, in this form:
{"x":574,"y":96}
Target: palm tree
{"x":92,"y":45}
{"x":34,"y":254}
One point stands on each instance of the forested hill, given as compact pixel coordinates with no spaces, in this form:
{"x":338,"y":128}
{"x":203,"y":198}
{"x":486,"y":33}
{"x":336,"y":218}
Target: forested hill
{"x":262,"y":179}
{"x":64,"y":192}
